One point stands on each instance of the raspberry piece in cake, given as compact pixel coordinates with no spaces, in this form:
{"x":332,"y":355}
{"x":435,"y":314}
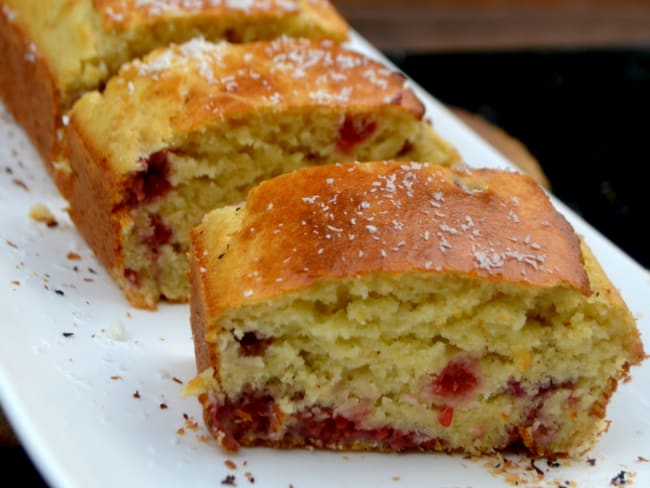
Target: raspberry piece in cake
{"x":153,"y":180}
{"x":456,"y":381}
{"x":404,"y":306}
{"x":353,"y":132}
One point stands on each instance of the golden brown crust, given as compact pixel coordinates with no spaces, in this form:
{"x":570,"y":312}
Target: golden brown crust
{"x":197,"y":316}
{"x":94,"y":202}
{"x":186,"y":88}
{"x":29,"y":91}
{"x":349,"y":220}
{"x":95,"y":213}
{"x":120,"y":14}
{"x":283,"y":73}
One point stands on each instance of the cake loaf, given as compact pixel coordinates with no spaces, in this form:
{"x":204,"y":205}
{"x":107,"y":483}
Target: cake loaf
{"x":194,"y":126}
{"x":391,"y":306}
{"x":58,"y":49}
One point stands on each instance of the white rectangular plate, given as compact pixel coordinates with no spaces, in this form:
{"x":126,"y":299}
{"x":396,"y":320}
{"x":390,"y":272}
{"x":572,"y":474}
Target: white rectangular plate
{"x":102,"y":407}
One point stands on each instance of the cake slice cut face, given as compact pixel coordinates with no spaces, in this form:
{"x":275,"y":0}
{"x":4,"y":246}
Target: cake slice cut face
{"x":193,"y":127}
{"x":59,"y":49}
{"x":400,"y":306}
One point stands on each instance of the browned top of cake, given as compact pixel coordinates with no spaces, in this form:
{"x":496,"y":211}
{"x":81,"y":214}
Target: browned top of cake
{"x":118,"y":13}
{"x":349,"y":220}
{"x":231,"y":78}
{"x":156,"y":102}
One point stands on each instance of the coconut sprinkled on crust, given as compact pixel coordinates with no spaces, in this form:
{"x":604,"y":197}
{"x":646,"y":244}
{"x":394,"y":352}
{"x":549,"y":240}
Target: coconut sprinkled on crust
{"x":390,"y":190}
{"x":9,"y":14}
{"x":119,"y":11}
{"x":267,"y":71}
{"x":361,"y":218}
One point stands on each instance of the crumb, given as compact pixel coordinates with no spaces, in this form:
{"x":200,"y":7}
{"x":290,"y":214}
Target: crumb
{"x":163,"y":406}
{"x":20,"y":184}
{"x":249,"y":476}
{"x":136,"y":394}
{"x":89,"y":280}
{"x":591,"y":461}
{"x":619,"y":479}
{"x":180,"y":431}
{"x":67,"y":335}
{"x":538,"y":470}
{"x":641,"y":459}
{"x":176,"y":380}
{"x":229,"y":480}
{"x":230,"y":464}
{"x":117,"y":331}
{"x":40,"y":213}
{"x":191,"y":424}
{"x":15,"y":283}
{"x":92,"y":270}
{"x":116,"y":378}
{"x":395,"y":478}
{"x":128,"y":314}
{"x":73,"y":256}
{"x":552,"y":463}
{"x":11,"y":244}
{"x":185,"y":416}
{"x":59,"y":292}
{"x":523,"y":471}
{"x":245,"y":463}
{"x":203,"y":438}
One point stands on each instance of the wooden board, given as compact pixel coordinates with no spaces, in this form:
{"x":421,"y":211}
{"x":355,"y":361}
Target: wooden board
{"x":452,"y":25}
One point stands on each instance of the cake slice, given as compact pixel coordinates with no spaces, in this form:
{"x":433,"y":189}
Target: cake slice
{"x":58,"y":49}
{"x":194,"y":126}
{"x":394,"y":306}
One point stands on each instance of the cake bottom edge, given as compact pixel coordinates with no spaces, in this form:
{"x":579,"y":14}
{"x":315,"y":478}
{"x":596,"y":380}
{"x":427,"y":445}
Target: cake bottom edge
{"x":258,"y":421}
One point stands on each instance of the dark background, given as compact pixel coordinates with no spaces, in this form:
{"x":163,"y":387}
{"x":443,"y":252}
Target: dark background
{"x":583,"y":114}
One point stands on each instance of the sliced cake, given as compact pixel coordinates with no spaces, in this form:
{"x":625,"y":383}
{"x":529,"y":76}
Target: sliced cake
{"x":393,"y":306}
{"x":58,"y":49}
{"x":194,"y":126}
